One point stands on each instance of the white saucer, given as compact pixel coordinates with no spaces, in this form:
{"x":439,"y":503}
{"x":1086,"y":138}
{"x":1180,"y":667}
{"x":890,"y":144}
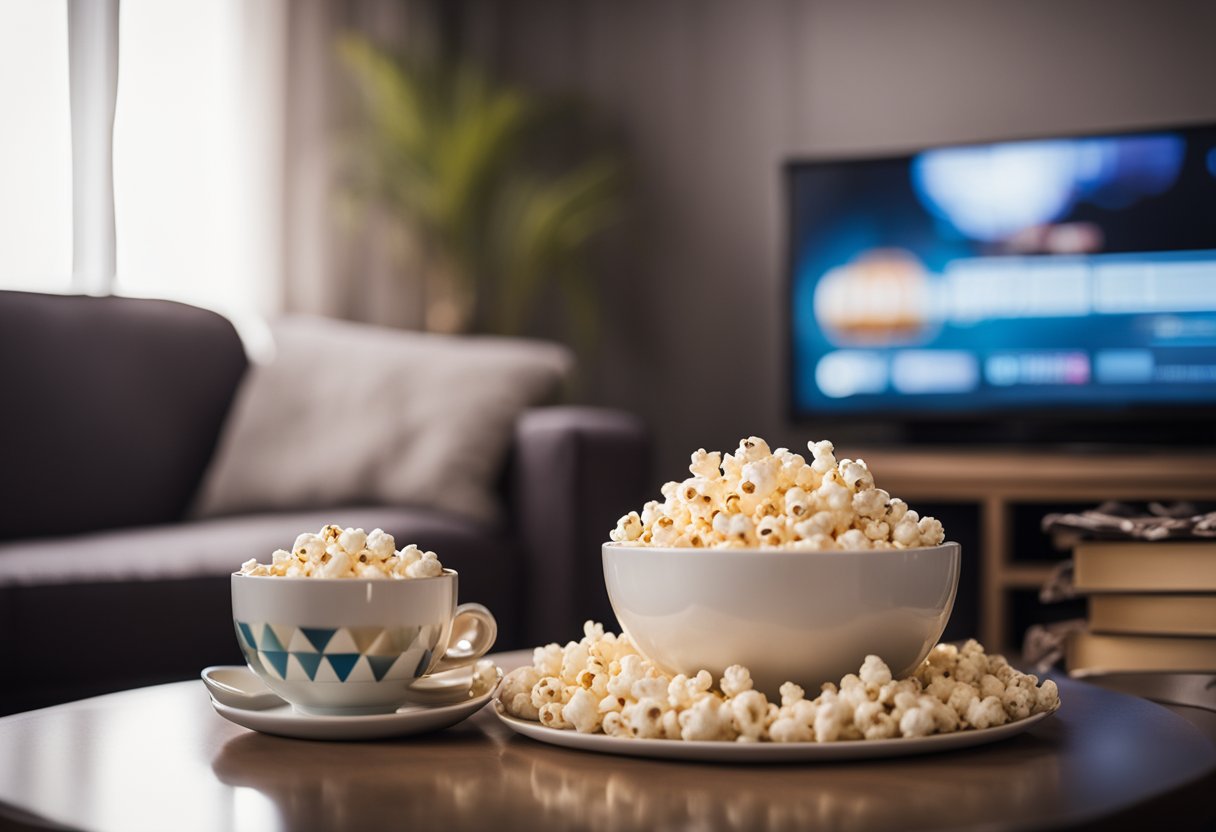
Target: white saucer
{"x":764,"y":752}
{"x":284,"y":721}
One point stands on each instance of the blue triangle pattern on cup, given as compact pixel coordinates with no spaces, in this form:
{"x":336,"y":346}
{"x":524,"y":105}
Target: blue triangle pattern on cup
{"x":247,"y":634}
{"x":271,"y":642}
{"x":310,"y":662}
{"x":342,"y":663}
{"x":278,"y":660}
{"x":380,"y":665}
{"x":423,"y":664}
{"x":318,"y":637}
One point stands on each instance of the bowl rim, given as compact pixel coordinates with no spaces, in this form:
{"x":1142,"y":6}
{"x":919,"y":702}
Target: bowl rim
{"x":772,"y":551}
{"x":448,"y":572}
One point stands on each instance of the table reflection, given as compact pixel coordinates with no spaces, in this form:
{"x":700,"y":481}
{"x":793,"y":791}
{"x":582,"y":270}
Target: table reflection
{"x":452,"y":780}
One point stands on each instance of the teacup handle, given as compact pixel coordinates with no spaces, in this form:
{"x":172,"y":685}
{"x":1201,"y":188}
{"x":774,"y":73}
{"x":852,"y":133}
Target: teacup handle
{"x":473,"y":633}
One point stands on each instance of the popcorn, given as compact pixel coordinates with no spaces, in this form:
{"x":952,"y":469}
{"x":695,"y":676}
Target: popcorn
{"x":671,"y":724}
{"x":650,"y":687}
{"x":614,"y":725}
{"x":874,"y":671}
{"x":601,"y":684}
{"x":548,"y":660}
{"x":991,"y":686}
{"x":736,"y":680}
{"x":1017,"y":701}
{"x":791,"y":694}
{"x":793,"y":727}
{"x":516,"y":692}
{"x":961,"y":697}
{"x":853,"y":539}
{"x":547,"y":691}
{"x":945,"y":719}
{"x":644,"y":718}
{"x":748,"y":711}
{"x":942,"y":687}
{"x":252,"y":567}
{"x":985,"y":713}
{"x":380,"y":544}
{"x":888,"y":692}
{"x":551,"y":715}
{"x":856,"y":475}
{"x":582,"y":712}
{"x":872,"y":719}
{"x":707,"y":719}
{"x":871,"y":503}
{"x":353,"y":540}
{"x":427,"y":566}
{"x":775,"y":498}
{"x":832,"y":719}
{"x":917,"y":722}
{"x":771,"y":531}
{"x":741,"y":530}
{"x":335,"y":553}
{"x":627,"y":528}
{"x":705,"y":465}
{"x":682,"y":691}
{"x":339,"y":565}
{"x":1047,"y":697}
{"x":308,"y":547}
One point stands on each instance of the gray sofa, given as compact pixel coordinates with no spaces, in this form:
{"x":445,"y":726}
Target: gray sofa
{"x":113,"y":409}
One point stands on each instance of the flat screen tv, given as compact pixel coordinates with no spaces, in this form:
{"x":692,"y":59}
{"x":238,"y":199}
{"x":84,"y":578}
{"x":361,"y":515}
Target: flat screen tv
{"x":1063,"y":283}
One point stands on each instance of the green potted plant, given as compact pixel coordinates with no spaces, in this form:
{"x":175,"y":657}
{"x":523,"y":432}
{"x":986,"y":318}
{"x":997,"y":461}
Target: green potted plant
{"x":461,"y":160}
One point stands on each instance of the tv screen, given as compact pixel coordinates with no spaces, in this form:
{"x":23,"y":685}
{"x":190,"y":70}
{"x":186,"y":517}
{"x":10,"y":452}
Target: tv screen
{"x":1071,"y":274}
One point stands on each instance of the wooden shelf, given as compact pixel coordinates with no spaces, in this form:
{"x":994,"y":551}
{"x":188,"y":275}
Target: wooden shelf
{"x":997,"y":481}
{"x":1026,"y":576}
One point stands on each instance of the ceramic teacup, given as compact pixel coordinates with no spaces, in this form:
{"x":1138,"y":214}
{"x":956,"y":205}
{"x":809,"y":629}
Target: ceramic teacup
{"x":353,"y":646}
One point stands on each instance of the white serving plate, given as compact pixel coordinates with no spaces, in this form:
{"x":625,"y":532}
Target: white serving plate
{"x":765,"y":752}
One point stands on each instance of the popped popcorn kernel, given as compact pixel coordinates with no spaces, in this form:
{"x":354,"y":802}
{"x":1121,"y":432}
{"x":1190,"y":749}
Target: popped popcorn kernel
{"x":736,"y":680}
{"x":748,"y":711}
{"x":582,"y":712}
{"x":874,"y":671}
{"x":986,"y":713}
{"x":775,"y":499}
{"x":601,"y":684}
{"x":337,"y":553}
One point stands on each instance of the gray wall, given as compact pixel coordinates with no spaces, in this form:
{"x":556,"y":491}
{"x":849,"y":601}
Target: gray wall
{"x":711,"y":97}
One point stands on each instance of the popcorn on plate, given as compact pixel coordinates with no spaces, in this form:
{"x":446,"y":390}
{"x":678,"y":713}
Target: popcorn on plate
{"x":335,"y":552}
{"x":758,"y":497}
{"x":601,"y":684}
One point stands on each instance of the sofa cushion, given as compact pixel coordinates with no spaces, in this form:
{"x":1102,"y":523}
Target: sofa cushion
{"x":218,"y":547}
{"x":350,"y":413}
{"x":112,"y":409}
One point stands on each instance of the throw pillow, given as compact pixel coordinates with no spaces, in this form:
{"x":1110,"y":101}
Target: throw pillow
{"x":349,"y":413}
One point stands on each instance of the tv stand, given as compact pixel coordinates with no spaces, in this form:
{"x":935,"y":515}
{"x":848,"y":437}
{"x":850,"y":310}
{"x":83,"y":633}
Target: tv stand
{"x":996,"y":480}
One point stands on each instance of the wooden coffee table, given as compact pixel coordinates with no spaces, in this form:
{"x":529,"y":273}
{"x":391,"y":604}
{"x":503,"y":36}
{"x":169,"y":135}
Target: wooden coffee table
{"x":160,"y":758}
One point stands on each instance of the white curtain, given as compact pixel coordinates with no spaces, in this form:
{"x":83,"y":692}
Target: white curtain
{"x":35,"y":147}
{"x":194,"y":148}
{"x":198,"y":155}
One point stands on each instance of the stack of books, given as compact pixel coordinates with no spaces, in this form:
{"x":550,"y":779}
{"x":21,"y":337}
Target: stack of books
{"x":1152,"y":607}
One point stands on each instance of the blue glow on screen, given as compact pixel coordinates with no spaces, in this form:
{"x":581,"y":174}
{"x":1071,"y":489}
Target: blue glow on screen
{"x":1066,"y":272}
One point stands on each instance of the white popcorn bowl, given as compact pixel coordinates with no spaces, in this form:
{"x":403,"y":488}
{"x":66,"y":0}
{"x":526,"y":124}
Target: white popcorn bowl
{"x":352,"y":646}
{"x":802,"y":616}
